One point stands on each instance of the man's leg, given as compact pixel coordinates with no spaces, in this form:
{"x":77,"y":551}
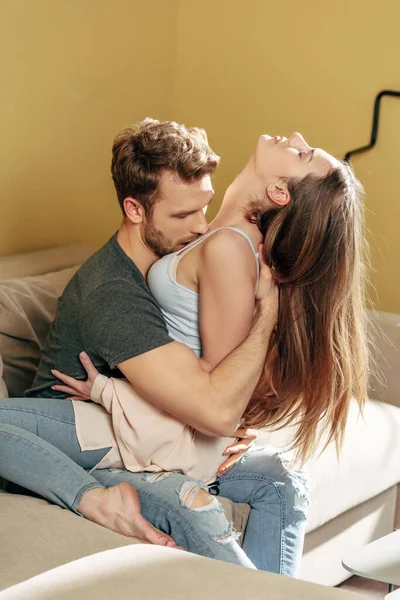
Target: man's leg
{"x":278,"y":499}
{"x":182,"y":507}
{"x":39,"y":450}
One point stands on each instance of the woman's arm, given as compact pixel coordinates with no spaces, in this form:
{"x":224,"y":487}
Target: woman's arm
{"x":227,"y":280}
{"x":227,"y":277}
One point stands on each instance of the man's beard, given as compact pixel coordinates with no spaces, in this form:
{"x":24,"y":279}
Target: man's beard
{"x":156,"y":241}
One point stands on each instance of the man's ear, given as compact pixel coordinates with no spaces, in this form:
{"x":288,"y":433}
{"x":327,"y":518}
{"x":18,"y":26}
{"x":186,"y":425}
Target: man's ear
{"x":278,"y":193}
{"x":134,"y":210}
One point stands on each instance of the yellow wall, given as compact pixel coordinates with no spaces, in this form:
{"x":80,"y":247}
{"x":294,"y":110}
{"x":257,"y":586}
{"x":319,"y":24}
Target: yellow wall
{"x":75,"y":72}
{"x":251,"y":67}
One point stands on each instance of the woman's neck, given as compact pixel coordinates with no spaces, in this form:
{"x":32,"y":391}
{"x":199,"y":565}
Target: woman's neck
{"x":236,"y":218}
{"x":248,"y":190}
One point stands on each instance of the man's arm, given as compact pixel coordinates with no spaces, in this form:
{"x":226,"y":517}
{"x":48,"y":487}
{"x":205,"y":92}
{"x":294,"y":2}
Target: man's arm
{"x":171,"y":377}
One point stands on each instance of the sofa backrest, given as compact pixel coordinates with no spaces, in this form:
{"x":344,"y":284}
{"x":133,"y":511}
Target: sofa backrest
{"x":30,"y":285}
{"x":3,"y":387}
{"x":41,"y":262}
{"x":384,"y":382}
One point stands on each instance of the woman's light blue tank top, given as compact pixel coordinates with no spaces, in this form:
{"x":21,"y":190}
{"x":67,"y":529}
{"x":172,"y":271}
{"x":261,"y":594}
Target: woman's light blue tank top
{"x":179,"y":304}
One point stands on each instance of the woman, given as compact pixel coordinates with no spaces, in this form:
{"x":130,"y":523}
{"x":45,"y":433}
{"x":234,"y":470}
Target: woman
{"x":305,"y":205}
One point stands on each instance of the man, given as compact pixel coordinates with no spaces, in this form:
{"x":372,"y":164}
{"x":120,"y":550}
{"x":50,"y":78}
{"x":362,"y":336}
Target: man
{"x":161,"y":173}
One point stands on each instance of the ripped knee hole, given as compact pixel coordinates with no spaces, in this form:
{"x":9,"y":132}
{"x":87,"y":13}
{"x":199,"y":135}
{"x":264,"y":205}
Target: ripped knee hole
{"x":196,"y":498}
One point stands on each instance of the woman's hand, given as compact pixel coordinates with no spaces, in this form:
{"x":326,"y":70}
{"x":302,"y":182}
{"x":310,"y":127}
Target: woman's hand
{"x":237,"y":450}
{"x":77,"y":389}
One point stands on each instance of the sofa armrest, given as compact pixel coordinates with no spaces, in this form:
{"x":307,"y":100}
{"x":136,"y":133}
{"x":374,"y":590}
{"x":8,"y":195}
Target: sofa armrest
{"x":148,"y":572}
{"x":385,"y":379}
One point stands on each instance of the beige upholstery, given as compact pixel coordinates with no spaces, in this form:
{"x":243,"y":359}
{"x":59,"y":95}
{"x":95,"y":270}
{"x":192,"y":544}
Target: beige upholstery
{"x":30,"y":285}
{"x":37,"y":536}
{"x":28,"y":307}
{"x":3,"y":387}
{"x":43,"y":261}
{"x":369,"y":463}
{"x":151,"y":572}
{"x":44,"y":536}
{"x":386,"y":350}
{"x":324,"y":546}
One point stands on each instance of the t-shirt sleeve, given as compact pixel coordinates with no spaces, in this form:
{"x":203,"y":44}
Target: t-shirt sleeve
{"x":120,"y":320}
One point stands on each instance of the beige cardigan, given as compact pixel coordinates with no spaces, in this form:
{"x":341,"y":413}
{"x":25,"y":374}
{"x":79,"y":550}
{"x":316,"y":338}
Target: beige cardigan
{"x":143,"y":437}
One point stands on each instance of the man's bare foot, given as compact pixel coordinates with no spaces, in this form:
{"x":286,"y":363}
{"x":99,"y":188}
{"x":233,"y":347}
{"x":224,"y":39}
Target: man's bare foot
{"x":118,"y":509}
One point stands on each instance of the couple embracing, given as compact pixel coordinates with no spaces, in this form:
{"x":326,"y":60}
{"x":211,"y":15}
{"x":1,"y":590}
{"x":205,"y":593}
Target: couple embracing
{"x":189,"y":337}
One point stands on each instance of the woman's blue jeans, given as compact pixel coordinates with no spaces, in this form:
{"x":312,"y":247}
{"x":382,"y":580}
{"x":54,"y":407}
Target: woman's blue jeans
{"x":39,"y":451}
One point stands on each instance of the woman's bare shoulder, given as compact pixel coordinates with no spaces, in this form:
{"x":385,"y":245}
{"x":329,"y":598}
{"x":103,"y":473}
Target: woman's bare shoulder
{"x":228,"y":249}
{"x":224,"y":242}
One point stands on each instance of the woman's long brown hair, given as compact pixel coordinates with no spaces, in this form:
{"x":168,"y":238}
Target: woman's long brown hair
{"x":317,"y":356}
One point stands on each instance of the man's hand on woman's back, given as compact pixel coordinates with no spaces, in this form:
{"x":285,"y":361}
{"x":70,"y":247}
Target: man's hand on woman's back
{"x":75,"y":388}
{"x":267,"y":292}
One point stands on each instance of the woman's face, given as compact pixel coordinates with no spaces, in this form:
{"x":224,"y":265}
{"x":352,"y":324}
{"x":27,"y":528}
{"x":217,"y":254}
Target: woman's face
{"x":274,"y":161}
{"x":281,"y":158}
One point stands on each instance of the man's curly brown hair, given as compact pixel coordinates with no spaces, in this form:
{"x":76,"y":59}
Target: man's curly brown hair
{"x":142,"y":153}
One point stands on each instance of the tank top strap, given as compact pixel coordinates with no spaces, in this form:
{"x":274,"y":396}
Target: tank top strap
{"x":196,"y":242}
{"x":189,"y":247}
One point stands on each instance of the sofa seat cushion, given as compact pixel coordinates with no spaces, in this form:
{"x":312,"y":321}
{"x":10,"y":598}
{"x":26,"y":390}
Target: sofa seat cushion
{"x":38,"y":536}
{"x":368,"y":463}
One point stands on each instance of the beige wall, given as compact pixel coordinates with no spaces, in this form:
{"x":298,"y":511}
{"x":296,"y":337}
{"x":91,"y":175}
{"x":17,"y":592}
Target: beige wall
{"x":251,"y":67}
{"x":75,"y":72}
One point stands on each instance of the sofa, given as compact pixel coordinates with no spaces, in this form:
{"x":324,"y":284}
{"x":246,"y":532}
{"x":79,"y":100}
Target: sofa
{"x":354,"y":500}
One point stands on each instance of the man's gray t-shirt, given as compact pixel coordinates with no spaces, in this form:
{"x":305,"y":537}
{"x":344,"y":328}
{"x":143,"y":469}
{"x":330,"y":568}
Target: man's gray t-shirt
{"x":108,"y":311}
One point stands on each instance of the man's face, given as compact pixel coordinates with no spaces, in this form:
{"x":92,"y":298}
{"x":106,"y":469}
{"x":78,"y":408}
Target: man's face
{"x":179,"y":214}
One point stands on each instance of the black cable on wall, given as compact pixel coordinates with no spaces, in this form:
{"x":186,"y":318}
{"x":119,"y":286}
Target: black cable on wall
{"x":375,"y":124}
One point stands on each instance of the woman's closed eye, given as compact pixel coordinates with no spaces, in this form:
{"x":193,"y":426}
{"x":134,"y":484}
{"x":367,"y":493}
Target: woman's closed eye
{"x":306,"y":154}
{"x":303,"y":154}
